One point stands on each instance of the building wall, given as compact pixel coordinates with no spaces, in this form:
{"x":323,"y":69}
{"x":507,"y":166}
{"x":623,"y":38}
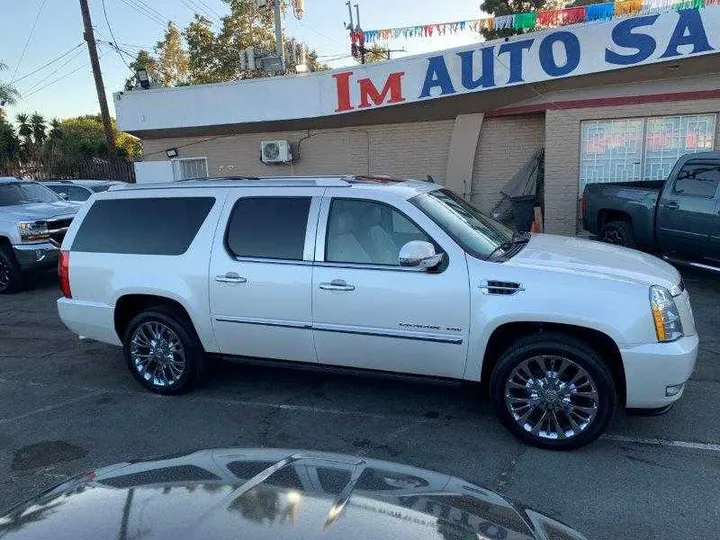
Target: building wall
{"x":562,"y":152}
{"x":506,"y":144}
{"x":413,"y":149}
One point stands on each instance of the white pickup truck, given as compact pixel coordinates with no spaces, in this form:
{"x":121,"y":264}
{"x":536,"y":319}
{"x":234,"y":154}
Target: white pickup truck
{"x":33,"y":221}
{"x":378,"y":274}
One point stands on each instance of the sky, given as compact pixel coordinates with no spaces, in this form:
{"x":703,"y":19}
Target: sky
{"x":65,"y":88}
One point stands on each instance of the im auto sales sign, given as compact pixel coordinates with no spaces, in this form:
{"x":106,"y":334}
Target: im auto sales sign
{"x":529,"y":58}
{"x":590,"y":48}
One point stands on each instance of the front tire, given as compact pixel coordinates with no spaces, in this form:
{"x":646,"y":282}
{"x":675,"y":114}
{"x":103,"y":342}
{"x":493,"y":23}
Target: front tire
{"x":619,"y":233}
{"x":10,"y":274}
{"x":163,"y":351}
{"x":553,"y":391}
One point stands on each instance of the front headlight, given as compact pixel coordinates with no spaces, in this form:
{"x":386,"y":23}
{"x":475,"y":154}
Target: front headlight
{"x":33,"y":230}
{"x":666,"y":316}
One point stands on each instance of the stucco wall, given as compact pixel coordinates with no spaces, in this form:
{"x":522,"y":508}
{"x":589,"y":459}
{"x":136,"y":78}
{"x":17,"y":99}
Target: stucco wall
{"x":562,"y":152}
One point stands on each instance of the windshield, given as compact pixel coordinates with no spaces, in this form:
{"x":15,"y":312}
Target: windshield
{"x":25,"y":192}
{"x":100,"y":188}
{"x":476,"y":233}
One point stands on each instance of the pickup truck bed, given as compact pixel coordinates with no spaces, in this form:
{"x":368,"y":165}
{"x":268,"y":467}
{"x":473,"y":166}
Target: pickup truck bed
{"x":678,"y":217}
{"x":624,"y":201}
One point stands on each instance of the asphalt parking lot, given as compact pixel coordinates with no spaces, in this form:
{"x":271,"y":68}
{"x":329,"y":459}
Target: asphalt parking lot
{"x":68,"y":406}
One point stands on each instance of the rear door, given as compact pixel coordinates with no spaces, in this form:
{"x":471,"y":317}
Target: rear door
{"x":261,"y":273}
{"x":687,"y":220}
{"x":371,"y":313}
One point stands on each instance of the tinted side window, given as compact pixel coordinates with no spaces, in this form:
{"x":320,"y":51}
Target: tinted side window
{"x":142,"y":226}
{"x":699,"y":179}
{"x":368,"y":232}
{"x":75,"y":193}
{"x":268,"y":227}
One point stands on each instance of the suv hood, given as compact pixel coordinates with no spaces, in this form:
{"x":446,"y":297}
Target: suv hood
{"x":273,"y":494}
{"x":38,"y":211}
{"x":595,"y":259}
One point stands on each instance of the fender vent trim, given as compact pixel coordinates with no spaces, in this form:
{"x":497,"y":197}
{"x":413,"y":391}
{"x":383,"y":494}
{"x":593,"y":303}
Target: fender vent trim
{"x":501,"y":288}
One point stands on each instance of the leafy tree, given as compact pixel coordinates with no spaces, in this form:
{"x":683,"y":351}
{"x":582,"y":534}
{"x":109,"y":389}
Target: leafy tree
{"x":37,"y":123}
{"x":200,"y":40}
{"x":214,"y":57}
{"x":172,"y":60}
{"x":25,"y":129}
{"x":376,"y":53}
{"x":83,"y":137}
{"x":143,"y":60}
{"x":8,"y":93}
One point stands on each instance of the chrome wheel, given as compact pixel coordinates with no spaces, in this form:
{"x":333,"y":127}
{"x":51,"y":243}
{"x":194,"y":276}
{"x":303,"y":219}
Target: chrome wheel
{"x":551,"y":397}
{"x":157,"y":354}
{"x":613,"y":236}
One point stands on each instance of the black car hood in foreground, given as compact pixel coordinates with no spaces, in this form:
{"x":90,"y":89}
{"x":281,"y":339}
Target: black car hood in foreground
{"x":278,"y":494}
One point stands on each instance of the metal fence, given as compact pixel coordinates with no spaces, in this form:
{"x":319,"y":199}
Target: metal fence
{"x":119,"y":168}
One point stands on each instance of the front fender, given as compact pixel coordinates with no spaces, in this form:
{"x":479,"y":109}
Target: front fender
{"x":618,"y":309}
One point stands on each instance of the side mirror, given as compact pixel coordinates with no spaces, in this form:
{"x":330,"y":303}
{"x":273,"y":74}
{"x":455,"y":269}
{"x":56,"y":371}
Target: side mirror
{"x":63,"y":196}
{"x":419,"y":254}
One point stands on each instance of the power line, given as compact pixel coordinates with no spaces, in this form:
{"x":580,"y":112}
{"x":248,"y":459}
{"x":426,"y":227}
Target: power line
{"x":195,"y":8}
{"x":53,"y":72}
{"x":62,"y":77}
{"x":145,"y":14}
{"x":210,"y":8}
{"x":112,"y":35}
{"x":151,"y":9}
{"x":320,"y":33}
{"x":27,"y":41}
{"x":49,"y":63}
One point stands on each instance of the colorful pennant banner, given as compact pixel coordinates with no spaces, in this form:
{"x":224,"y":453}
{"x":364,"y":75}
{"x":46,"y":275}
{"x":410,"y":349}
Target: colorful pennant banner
{"x":536,"y":20}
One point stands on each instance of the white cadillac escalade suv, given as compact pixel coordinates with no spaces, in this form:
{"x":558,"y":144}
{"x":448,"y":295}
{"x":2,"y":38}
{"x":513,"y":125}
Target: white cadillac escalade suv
{"x":379,"y":274}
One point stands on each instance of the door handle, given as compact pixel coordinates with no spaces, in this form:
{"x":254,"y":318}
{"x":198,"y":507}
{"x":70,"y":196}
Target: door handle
{"x":337,"y":285}
{"x":671,"y":205}
{"x":230,"y":277}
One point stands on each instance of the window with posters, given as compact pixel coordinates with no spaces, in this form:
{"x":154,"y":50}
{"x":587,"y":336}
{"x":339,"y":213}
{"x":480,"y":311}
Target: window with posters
{"x":629,"y":149}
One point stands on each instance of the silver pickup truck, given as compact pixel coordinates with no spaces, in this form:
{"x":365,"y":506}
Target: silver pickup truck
{"x":678,"y":218}
{"x":33,"y":222}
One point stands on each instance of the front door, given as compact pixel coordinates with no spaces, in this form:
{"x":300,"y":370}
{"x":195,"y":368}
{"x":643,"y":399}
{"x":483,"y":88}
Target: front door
{"x":687,"y":219}
{"x":261,"y":275}
{"x":368,"y":311}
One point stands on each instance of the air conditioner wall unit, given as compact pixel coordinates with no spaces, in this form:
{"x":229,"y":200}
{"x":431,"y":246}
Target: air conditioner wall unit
{"x":275,"y":152}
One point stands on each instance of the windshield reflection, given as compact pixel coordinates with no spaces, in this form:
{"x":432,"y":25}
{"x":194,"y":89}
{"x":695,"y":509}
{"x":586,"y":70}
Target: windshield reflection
{"x":476,"y":233}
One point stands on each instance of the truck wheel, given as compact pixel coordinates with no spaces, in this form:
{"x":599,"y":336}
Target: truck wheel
{"x":163,"y":351}
{"x":619,"y":233}
{"x":10,"y":274}
{"x":553,"y":391}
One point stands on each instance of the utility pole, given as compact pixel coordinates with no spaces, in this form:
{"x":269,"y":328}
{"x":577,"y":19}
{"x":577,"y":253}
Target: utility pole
{"x":278,"y":34}
{"x":89,"y":37}
{"x":358,"y":29}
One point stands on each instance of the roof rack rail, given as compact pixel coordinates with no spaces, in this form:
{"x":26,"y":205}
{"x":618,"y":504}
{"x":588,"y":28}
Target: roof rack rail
{"x":219,"y":178}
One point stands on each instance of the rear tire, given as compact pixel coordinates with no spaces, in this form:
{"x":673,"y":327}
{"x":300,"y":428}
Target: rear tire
{"x":619,"y":233}
{"x":163,"y":351}
{"x":11,"y":278}
{"x":553,"y":391}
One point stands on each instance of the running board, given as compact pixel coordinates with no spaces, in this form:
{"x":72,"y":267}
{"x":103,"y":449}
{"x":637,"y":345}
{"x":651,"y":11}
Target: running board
{"x":690,"y":263}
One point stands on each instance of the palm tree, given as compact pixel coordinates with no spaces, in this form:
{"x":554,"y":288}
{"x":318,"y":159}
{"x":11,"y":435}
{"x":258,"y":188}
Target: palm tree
{"x":37,"y":123}
{"x":55,"y":130}
{"x":8,"y":94}
{"x":25,"y":129}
